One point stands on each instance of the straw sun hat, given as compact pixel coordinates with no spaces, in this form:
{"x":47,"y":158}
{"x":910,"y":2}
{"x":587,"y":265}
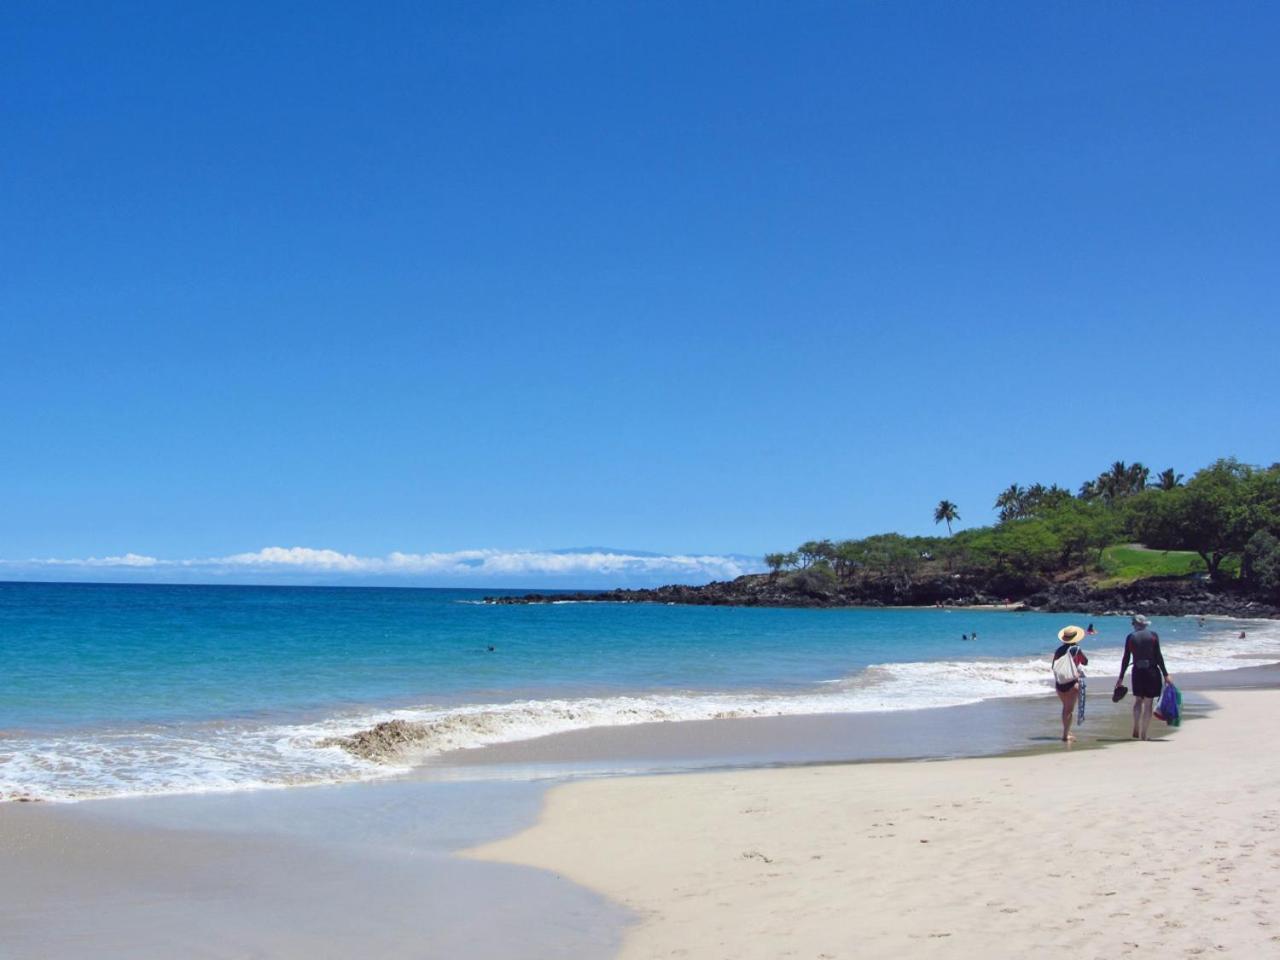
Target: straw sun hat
{"x":1070,"y":635}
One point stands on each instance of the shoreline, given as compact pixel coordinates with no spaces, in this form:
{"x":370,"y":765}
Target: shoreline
{"x":959,"y":858}
{"x":334,"y":870}
{"x":1008,"y":726}
{"x":827,"y":716}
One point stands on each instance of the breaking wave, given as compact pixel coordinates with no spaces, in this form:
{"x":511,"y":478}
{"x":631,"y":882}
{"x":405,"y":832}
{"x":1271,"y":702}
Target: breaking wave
{"x":208,"y":758}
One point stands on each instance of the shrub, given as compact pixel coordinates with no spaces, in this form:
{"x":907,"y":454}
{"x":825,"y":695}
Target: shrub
{"x":1262,"y":562}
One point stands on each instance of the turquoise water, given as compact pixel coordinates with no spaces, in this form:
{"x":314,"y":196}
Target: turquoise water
{"x":114,"y":690}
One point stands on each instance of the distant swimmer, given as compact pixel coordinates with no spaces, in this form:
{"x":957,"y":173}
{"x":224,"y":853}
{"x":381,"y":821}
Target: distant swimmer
{"x":1241,"y":634}
{"x":491,"y":648}
{"x":974,"y":635}
{"x":1089,"y":630}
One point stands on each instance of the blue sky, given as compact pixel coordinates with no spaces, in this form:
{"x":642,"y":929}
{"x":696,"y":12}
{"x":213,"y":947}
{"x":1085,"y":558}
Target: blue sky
{"x":697,"y":279}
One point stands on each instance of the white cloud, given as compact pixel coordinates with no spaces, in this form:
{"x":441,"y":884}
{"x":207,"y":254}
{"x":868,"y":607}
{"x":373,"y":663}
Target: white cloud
{"x":125,"y":560}
{"x":484,"y":565}
{"x":304,"y":558}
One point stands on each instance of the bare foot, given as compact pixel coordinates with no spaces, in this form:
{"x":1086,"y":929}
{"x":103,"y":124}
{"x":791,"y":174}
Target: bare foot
{"x":1070,"y":737}
{"x":1135,"y":734}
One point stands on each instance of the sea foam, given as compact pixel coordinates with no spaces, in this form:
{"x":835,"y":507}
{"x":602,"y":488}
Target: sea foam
{"x":208,"y":758}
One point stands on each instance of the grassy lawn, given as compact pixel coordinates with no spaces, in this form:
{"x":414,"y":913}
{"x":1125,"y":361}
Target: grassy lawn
{"x":1125,"y":562}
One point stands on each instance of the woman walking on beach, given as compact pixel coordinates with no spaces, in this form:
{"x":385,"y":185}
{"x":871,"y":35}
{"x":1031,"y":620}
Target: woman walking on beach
{"x":1143,"y":647}
{"x":1067,"y":661}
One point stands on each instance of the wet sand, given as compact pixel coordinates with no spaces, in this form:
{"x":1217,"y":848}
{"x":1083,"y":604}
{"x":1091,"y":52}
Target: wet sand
{"x":355,"y":871}
{"x":992,"y":727}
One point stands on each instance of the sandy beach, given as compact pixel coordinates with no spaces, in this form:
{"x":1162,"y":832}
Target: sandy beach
{"x":1169,"y":848}
{"x":1170,"y":843}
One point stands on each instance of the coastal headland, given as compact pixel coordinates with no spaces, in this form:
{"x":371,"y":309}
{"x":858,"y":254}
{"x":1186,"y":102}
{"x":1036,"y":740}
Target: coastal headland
{"x":1155,"y":596}
{"x":1126,"y":542}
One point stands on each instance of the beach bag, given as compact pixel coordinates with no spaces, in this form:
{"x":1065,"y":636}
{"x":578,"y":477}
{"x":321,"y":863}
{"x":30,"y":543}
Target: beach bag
{"x":1064,"y":668}
{"x":1170,"y":707}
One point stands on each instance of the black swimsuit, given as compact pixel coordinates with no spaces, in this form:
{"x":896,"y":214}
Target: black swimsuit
{"x":1148,"y":663}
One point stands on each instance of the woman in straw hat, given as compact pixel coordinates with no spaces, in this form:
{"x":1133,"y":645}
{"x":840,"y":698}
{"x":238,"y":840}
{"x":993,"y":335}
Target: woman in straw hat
{"x":1067,"y":674}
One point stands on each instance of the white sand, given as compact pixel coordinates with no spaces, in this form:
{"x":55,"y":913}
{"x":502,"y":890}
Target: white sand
{"x":1168,"y":848}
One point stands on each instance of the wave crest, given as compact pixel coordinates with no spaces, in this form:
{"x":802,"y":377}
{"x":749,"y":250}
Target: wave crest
{"x":223,"y":757}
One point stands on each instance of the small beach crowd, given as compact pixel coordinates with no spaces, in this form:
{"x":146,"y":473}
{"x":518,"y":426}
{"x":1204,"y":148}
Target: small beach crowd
{"x":1153,"y":691}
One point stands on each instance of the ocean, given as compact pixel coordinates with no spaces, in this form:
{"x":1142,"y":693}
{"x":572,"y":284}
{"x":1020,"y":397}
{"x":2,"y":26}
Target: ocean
{"x":111,"y":690}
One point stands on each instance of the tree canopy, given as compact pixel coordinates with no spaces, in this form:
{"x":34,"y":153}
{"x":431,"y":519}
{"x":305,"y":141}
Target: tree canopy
{"x":1226,"y":510}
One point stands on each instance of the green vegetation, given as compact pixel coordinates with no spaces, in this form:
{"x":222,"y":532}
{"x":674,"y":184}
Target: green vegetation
{"x":1125,"y":562}
{"x":1120,"y":526}
{"x":1262,"y":563}
{"x":1215,"y":513}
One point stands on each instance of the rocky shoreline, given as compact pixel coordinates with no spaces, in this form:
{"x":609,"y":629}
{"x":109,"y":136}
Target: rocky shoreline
{"x":1157,"y":596}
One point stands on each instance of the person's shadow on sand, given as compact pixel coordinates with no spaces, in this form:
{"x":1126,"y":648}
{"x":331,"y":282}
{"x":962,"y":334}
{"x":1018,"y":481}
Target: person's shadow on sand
{"x":1097,"y":740}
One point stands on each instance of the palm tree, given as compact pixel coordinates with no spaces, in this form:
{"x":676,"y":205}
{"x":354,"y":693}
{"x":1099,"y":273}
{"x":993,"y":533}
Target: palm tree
{"x":1114,"y":484}
{"x":1138,"y":475}
{"x":1012,"y":503}
{"x":1169,"y":479}
{"x":1034,"y":498}
{"x":1055,"y":496}
{"x":946,"y":511}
